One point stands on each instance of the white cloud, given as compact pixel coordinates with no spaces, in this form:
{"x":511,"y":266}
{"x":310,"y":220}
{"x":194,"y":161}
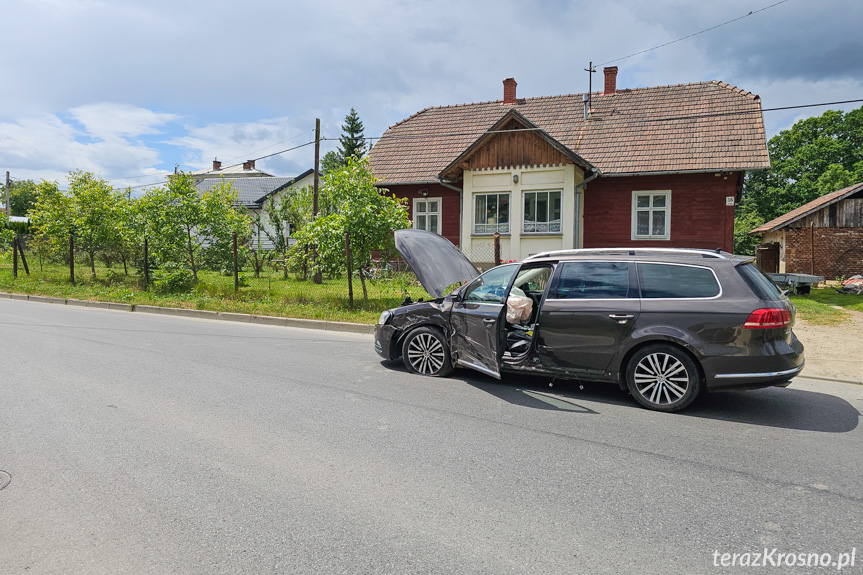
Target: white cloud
{"x":244,"y":77}
{"x":110,"y":121}
{"x":101,"y":139}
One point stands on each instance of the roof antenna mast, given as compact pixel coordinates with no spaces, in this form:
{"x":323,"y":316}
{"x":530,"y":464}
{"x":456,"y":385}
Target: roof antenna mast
{"x":590,"y":70}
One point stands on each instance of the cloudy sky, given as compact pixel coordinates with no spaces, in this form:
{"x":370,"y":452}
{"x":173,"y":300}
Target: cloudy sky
{"x":129,"y":89}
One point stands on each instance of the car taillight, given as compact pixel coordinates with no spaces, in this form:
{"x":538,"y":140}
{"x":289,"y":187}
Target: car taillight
{"x":768,"y":318}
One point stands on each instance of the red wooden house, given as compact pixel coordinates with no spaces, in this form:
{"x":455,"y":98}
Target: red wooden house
{"x":658,"y":167}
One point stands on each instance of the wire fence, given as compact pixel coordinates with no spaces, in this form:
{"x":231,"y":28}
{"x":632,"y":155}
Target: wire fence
{"x":257,"y":275}
{"x":252,"y":275}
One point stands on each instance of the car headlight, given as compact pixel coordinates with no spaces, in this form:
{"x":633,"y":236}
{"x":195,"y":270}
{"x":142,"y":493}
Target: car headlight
{"x":385,"y":317}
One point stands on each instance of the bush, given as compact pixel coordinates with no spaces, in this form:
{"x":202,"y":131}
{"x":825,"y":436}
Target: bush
{"x":20,"y":228}
{"x":115,"y":276}
{"x":172,"y":278}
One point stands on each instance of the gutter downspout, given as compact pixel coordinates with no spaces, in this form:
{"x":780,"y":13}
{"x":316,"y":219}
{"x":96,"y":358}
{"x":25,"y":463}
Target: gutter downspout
{"x":578,"y":187}
{"x":460,"y":209}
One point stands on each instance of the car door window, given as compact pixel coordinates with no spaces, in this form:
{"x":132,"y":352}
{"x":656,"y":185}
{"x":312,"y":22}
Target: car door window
{"x":668,"y":281}
{"x":491,"y":286}
{"x":593,"y":280}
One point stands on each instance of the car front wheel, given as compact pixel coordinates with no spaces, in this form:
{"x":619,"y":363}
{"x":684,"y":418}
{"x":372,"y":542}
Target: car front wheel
{"x":425,"y":352}
{"x":663,"y":377}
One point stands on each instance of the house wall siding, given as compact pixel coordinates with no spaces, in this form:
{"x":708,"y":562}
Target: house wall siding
{"x":838,"y":251}
{"x":517,"y":244}
{"x":450,"y":205}
{"x":700,"y":217}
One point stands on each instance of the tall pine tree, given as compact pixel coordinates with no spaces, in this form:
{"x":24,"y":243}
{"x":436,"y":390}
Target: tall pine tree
{"x":352,"y":140}
{"x":353,"y":144}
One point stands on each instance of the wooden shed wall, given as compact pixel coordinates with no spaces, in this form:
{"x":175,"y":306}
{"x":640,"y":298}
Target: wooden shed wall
{"x":847,"y":213}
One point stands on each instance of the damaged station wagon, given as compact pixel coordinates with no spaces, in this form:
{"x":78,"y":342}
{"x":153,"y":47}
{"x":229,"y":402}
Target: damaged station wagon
{"x":664,"y":324}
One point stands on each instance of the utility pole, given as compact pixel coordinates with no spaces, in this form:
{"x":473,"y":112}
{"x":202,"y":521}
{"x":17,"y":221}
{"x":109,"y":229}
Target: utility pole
{"x":317,"y":158}
{"x":590,"y":70}
{"x":318,"y":278}
{"x":8,"y":185}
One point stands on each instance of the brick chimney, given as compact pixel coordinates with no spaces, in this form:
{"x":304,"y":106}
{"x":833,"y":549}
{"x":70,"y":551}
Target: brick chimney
{"x":249,"y":165}
{"x":217,"y":165}
{"x":509,"y":91}
{"x":610,"y":80}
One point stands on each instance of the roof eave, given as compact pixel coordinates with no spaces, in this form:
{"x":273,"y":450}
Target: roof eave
{"x":679,"y":172}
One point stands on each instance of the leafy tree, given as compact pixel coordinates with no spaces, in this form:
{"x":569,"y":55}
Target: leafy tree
{"x":130,"y":231}
{"x":331,"y":161}
{"x":816,"y":156}
{"x":368,"y":215}
{"x":88,"y":210}
{"x":6,"y":235}
{"x":184,"y":226}
{"x":22,"y":197}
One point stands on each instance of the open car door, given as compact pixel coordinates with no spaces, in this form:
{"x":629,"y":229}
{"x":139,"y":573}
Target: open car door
{"x":477,"y":317}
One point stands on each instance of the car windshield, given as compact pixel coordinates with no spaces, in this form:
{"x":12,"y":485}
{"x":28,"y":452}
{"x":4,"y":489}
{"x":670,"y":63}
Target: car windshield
{"x":491,"y":286}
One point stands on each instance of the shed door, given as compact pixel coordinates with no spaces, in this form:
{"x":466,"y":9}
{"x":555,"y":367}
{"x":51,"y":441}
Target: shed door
{"x":767,"y":257}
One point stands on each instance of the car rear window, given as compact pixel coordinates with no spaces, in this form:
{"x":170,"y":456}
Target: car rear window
{"x":667,"y":281}
{"x":593,"y":280}
{"x":759,"y":282}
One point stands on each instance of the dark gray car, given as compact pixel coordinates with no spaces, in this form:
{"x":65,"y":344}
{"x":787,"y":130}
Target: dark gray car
{"x":666,"y":324}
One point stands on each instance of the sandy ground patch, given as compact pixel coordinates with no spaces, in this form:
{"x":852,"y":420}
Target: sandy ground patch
{"x":833,"y":350}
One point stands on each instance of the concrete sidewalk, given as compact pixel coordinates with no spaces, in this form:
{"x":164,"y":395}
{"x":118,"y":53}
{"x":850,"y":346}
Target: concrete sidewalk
{"x":833,"y":353}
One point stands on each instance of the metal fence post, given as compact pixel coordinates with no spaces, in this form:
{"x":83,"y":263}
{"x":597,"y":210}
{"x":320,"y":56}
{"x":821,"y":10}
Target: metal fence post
{"x":236,"y":272}
{"x":15,"y":257}
{"x":496,"y":249}
{"x":146,"y":264}
{"x":23,"y":257}
{"x":72,"y":258}
{"x":350,"y":271}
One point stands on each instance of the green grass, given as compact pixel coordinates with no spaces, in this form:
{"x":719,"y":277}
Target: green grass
{"x":270,"y":294}
{"x":826,"y":307}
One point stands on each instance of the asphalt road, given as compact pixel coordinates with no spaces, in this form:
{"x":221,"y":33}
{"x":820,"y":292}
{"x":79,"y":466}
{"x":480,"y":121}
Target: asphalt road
{"x":139,"y":443}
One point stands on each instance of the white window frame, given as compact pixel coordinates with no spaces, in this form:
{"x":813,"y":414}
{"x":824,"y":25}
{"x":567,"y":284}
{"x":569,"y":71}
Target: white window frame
{"x":548,"y":223}
{"x":439,"y":212}
{"x":651,"y":210}
{"x":489,"y":229}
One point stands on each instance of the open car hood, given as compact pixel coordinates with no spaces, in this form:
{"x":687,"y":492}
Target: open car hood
{"x":436,"y":262}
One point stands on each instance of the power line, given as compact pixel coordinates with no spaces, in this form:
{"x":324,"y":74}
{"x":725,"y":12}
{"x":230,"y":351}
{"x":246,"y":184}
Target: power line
{"x":270,"y":146}
{"x":624,"y":120}
{"x":284,"y":151}
{"x":750,"y":13}
{"x":611,"y":121}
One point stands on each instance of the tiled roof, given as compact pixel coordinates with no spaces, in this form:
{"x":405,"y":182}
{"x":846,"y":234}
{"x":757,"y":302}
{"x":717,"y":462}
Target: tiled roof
{"x":807,"y":209}
{"x":706,"y":126}
{"x":252,"y":191}
{"x":236,"y":170}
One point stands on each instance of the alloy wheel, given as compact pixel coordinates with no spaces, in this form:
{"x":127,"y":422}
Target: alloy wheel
{"x":661,"y":378}
{"x":426,"y":354}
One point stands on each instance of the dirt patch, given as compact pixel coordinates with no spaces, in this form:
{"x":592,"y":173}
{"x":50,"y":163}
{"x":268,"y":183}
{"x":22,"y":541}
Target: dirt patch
{"x":833,"y":350}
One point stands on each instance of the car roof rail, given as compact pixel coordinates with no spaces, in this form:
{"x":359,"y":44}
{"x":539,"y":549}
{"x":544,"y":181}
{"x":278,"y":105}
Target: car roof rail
{"x":703,"y":253}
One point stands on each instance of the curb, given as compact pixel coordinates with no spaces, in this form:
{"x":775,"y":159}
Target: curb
{"x":340,"y":326}
{"x":833,"y":379}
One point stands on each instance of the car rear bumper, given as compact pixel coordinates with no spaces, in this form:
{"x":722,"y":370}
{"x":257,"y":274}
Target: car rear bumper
{"x":768,"y":365}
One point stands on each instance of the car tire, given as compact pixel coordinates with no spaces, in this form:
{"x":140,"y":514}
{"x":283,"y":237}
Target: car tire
{"x":425,"y":352}
{"x":663,"y":377}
